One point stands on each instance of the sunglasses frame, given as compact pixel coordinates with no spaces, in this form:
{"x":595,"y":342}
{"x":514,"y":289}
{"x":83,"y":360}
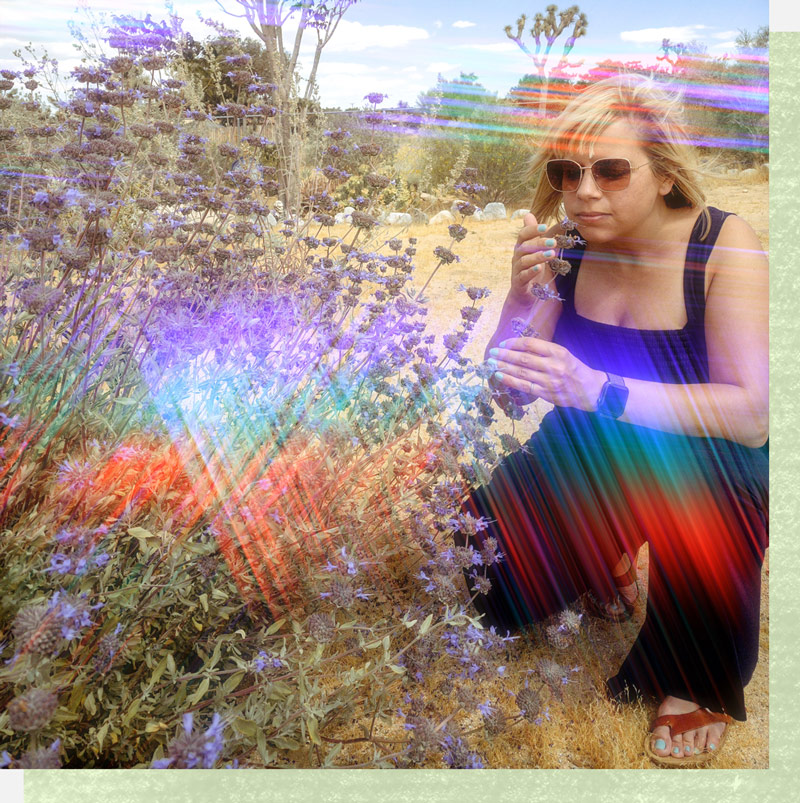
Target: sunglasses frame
{"x":591,"y":167}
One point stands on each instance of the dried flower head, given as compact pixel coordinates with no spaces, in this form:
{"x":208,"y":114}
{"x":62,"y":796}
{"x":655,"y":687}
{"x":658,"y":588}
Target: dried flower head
{"x":558,"y":637}
{"x":37,"y":629}
{"x":43,"y":758}
{"x":423,"y":738}
{"x":33,"y":710}
{"x":529,"y":703}
{"x":321,"y":627}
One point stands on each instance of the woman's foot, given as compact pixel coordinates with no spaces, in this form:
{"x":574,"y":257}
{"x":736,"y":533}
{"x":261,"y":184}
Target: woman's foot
{"x":684,"y":745}
{"x":621,"y":607}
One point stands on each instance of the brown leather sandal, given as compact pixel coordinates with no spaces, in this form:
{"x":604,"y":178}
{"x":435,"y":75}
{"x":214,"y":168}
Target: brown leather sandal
{"x":594,"y":607}
{"x":681,"y":723}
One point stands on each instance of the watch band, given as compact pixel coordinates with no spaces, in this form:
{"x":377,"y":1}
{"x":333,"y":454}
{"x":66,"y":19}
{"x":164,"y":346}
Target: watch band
{"x":613,"y":397}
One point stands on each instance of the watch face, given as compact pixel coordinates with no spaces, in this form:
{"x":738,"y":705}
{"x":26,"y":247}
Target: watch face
{"x":613,"y":397}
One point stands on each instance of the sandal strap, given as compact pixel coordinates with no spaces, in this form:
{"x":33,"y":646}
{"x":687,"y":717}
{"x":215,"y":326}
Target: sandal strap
{"x":628,"y":577}
{"x":680,"y":723}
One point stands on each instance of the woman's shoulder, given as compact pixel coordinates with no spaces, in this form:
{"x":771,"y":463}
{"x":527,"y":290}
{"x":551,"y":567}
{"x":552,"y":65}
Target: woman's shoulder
{"x":737,"y":245}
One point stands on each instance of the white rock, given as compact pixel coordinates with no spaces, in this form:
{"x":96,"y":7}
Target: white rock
{"x":340,"y":217}
{"x":272,"y":221}
{"x":478,"y":215}
{"x":494,"y":211}
{"x":443,"y":217}
{"x":419,"y":217}
{"x":348,"y":210}
{"x":399,"y":219}
{"x":749,"y":172}
{"x":517,"y":213}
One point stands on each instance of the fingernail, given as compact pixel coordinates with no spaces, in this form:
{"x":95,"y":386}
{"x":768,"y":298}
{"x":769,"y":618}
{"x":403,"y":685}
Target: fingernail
{"x":492,"y":364}
{"x":502,"y":344}
{"x":549,"y":253}
{"x":550,"y":242}
{"x":660,"y":744}
{"x":676,"y":750}
{"x":498,"y":376}
{"x":542,"y":227}
{"x":493,"y":352}
{"x":712,"y":746}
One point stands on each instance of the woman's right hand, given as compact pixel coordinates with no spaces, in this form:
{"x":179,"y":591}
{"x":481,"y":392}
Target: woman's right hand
{"x":534,"y":248}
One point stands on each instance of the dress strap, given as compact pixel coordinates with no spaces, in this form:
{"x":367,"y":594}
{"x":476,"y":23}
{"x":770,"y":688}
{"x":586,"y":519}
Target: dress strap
{"x":694,"y":271}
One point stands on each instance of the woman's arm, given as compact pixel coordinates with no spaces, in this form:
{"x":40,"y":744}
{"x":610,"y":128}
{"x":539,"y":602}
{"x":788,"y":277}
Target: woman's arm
{"x":733,"y":405}
{"x":528,"y":267}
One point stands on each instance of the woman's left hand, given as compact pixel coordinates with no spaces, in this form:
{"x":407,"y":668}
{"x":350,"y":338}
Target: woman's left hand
{"x":547,"y":370}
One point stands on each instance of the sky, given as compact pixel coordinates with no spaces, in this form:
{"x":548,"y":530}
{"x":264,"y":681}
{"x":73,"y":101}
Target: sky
{"x":401,"y":47}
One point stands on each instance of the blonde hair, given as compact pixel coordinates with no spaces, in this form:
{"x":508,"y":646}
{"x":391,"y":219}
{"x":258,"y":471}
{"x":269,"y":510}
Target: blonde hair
{"x":654,"y":111}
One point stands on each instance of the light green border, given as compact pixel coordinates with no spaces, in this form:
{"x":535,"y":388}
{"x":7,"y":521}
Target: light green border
{"x":144,"y":786}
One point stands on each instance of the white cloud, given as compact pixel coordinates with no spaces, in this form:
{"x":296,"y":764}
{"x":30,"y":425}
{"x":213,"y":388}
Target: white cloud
{"x":725,"y":35}
{"x":495,"y":47}
{"x":441,"y":66}
{"x":464,"y":24}
{"x":352,"y":37}
{"x":647,"y":36}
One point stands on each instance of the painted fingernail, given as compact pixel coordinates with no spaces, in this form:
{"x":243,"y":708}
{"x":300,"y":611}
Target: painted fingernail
{"x":542,"y":227}
{"x":498,"y":376}
{"x":676,"y":750}
{"x":492,"y":364}
{"x":549,"y":254}
{"x":493,"y":352}
{"x":503,"y":344}
{"x":712,"y":746}
{"x":550,"y":242}
{"x":660,"y":744}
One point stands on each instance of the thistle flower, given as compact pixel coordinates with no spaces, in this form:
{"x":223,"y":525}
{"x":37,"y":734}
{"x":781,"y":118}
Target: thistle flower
{"x":33,"y":710}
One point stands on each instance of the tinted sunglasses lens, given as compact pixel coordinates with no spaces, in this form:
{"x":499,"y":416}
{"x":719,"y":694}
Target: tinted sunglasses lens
{"x":611,"y":174}
{"x":563,"y":175}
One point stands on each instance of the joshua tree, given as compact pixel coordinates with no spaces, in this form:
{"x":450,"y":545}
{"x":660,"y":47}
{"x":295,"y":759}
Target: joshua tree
{"x":266,"y":18}
{"x":551,"y":25}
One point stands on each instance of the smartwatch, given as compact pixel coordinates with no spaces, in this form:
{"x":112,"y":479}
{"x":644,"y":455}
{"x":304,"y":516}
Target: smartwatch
{"x":613,"y":397}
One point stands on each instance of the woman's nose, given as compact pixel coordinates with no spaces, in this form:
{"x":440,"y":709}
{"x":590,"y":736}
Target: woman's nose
{"x":588,"y":187}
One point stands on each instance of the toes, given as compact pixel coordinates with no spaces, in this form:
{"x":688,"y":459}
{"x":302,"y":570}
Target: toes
{"x":660,"y":742}
{"x":689,"y":741}
{"x":700,"y":740}
{"x":677,"y":746}
{"x":715,"y":735}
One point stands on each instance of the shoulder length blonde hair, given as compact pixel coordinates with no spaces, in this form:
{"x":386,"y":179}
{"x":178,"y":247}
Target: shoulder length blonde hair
{"x":654,"y":111}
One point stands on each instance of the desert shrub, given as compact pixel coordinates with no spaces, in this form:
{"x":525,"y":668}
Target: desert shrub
{"x":231,"y":456}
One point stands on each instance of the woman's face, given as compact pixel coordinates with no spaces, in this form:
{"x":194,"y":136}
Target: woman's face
{"x":606,"y":217}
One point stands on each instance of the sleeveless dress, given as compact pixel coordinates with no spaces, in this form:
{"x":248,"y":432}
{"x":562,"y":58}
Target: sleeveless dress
{"x":585,"y":489}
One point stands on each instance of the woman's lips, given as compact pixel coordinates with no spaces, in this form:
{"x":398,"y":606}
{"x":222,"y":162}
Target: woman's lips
{"x":589,"y":217}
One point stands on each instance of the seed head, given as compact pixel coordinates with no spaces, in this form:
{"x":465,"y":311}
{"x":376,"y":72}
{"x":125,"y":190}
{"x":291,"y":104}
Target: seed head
{"x":45,"y":758}
{"x":33,"y":710}
{"x":529,"y":703}
{"x":37,"y":629}
{"x":557,"y":637}
{"x":570,"y":621}
{"x":495,"y":721}
{"x":321,"y":627}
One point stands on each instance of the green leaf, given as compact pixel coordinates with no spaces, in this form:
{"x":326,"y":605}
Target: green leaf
{"x":245,"y":726}
{"x":196,"y":695}
{"x":426,"y":625}
{"x":232,"y":682}
{"x":275,"y":626}
{"x":313,"y":729}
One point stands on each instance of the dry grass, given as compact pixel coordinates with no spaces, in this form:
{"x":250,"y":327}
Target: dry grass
{"x":585,"y":730}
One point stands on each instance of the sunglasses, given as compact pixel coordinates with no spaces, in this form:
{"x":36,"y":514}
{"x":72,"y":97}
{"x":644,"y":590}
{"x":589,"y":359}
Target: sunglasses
{"x":610,"y":175}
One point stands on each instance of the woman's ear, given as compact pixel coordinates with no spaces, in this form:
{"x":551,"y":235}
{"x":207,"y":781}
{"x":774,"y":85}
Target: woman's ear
{"x":666,"y":186}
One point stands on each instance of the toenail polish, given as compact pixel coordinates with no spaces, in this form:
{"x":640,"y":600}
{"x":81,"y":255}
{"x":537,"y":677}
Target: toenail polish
{"x":660,"y":744}
{"x":687,"y":749}
{"x":712,"y":746}
{"x":697,"y":751}
{"x":676,"y":750}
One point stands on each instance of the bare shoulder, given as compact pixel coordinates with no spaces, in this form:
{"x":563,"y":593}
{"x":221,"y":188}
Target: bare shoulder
{"x":737,"y":249}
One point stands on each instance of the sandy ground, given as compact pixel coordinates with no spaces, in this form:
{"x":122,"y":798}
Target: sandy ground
{"x":590,"y":733}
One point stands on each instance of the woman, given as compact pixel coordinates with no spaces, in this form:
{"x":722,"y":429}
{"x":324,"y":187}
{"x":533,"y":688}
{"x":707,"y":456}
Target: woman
{"x":655,"y":355}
